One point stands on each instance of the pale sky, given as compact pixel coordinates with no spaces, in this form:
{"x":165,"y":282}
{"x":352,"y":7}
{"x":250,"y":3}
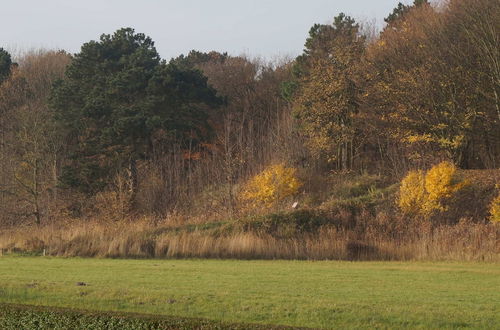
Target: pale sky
{"x":269,"y":28}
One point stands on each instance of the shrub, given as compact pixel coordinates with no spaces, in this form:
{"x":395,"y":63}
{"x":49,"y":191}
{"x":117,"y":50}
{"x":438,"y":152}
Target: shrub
{"x":441,"y":183}
{"x":272,"y":185}
{"x":426,"y":193}
{"x":412,"y":194}
{"x":495,"y":210}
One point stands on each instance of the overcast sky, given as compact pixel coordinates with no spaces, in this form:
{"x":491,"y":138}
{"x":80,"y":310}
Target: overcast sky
{"x":257,"y":27}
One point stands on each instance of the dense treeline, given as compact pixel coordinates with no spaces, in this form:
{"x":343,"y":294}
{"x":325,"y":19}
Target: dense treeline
{"x":116,"y":131}
{"x":426,"y":88}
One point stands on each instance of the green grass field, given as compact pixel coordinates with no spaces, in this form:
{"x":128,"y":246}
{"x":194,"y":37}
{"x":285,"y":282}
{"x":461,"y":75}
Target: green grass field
{"x":294,"y":293}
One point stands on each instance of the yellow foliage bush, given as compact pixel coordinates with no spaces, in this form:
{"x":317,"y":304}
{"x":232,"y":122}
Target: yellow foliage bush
{"x":495,"y":210}
{"x":273,"y":184}
{"x":412,"y":193}
{"x":425,"y":193}
{"x":440,"y":184}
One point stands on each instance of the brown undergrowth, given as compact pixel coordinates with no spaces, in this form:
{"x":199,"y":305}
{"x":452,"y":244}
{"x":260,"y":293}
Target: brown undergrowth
{"x":280,"y":236}
{"x":357,"y":219}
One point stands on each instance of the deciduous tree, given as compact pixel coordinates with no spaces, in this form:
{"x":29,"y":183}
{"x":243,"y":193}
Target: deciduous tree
{"x":326,"y":100}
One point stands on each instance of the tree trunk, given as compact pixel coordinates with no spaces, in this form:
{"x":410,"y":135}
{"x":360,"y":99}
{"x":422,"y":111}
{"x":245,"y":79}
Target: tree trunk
{"x":344,"y":156}
{"x":36,"y":206}
{"x":132,"y":182}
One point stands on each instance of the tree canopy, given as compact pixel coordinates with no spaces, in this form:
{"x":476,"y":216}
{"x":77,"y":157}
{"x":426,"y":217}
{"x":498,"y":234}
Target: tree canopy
{"x":402,"y":9}
{"x":118,"y":99}
{"x":326,"y":96}
{"x":5,"y":64}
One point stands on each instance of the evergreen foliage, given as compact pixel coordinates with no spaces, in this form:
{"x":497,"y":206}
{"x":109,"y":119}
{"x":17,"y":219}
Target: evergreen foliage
{"x":5,"y":64}
{"x":119,"y":99}
{"x":403,"y":9}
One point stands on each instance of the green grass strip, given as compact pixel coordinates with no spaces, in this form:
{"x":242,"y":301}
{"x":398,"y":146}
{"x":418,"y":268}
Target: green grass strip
{"x":315,"y":294}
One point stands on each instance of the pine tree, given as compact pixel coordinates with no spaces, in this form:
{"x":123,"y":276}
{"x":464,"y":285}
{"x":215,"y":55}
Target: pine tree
{"x":118,"y":99}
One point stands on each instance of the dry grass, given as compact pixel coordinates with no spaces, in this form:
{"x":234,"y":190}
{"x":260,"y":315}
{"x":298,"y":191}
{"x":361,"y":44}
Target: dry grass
{"x":465,"y":241}
{"x":357,"y":222}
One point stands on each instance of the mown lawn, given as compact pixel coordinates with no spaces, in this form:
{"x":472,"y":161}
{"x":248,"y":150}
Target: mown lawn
{"x":294,"y":293}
